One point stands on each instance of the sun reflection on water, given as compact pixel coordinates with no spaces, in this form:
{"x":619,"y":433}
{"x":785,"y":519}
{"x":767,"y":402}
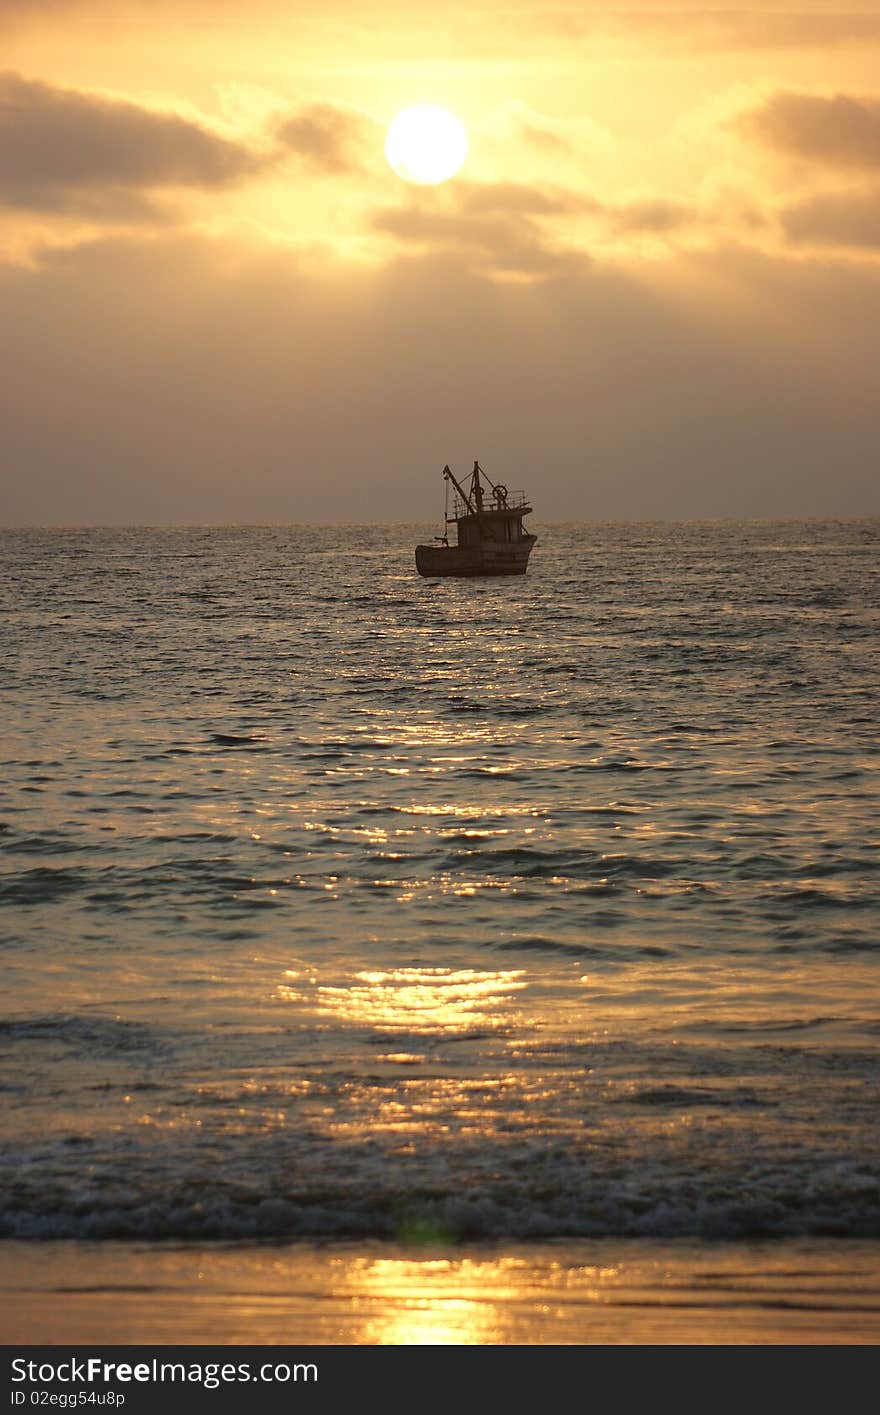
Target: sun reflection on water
{"x":418,"y":999}
{"x":431,"y":1302}
{"x":451,"y":1301}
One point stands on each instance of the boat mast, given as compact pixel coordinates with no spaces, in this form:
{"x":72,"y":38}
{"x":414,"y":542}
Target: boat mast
{"x":476,"y":487}
{"x":461,"y":491}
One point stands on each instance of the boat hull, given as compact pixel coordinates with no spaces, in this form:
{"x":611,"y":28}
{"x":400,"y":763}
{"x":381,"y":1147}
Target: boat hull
{"x":434,"y":561}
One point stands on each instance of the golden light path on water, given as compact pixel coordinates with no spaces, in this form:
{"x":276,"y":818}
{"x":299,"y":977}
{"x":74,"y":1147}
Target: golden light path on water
{"x":423,"y":999}
{"x":431,"y":1009}
{"x":577,"y":1292}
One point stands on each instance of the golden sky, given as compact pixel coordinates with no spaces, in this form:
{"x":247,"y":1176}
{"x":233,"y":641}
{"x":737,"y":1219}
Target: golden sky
{"x":653,"y":290}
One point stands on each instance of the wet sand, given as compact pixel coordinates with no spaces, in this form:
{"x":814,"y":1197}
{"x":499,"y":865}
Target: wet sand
{"x":606,"y":1292}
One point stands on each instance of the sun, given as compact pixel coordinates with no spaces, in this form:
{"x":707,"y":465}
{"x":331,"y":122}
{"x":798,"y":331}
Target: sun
{"x":426,"y":145}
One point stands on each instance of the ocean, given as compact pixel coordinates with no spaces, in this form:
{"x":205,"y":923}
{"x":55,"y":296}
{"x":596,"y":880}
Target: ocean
{"x":340,"y":904}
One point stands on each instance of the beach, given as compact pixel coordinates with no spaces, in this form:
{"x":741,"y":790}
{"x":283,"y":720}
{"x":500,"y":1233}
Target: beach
{"x":604,"y":1293}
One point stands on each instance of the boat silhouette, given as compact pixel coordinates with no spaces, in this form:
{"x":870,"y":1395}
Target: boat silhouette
{"x":490,"y":536}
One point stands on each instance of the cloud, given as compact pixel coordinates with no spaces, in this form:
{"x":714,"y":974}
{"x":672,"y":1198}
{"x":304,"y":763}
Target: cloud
{"x":842,"y":132}
{"x":644,"y":215}
{"x":56,"y":143}
{"x":252,"y":386}
{"x":498,"y":226}
{"x":506,"y":242}
{"x":689,"y":25}
{"x":751,"y":29}
{"x":704,"y":28}
{"x":843,"y":219}
{"x":14,"y":10}
{"x":544,"y":138}
{"x":648,"y":216}
{"x":326,"y":137}
{"x":514,"y":227}
{"x":518,"y":197}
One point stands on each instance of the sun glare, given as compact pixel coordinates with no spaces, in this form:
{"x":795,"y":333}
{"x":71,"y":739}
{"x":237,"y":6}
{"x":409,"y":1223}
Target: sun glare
{"x":426,"y":145}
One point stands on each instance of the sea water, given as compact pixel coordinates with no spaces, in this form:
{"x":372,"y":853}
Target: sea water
{"x":338,"y":902}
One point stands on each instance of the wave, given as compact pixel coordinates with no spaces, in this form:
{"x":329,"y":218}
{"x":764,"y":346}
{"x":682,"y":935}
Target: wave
{"x":456,"y":1217}
{"x":95,"y":1037}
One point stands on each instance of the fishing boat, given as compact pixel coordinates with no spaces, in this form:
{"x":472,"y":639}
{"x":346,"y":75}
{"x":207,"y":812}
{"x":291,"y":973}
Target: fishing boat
{"x":490,"y":535}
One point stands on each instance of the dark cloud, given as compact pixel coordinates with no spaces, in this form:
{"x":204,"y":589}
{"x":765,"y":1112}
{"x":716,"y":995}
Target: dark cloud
{"x":504,"y":240}
{"x":116,"y":205}
{"x":327,"y":138}
{"x":56,"y":142}
{"x":508,"y":226}
{"x":651,"y":216}
{"x":843,"y":219}
{"x":841,"y":132}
